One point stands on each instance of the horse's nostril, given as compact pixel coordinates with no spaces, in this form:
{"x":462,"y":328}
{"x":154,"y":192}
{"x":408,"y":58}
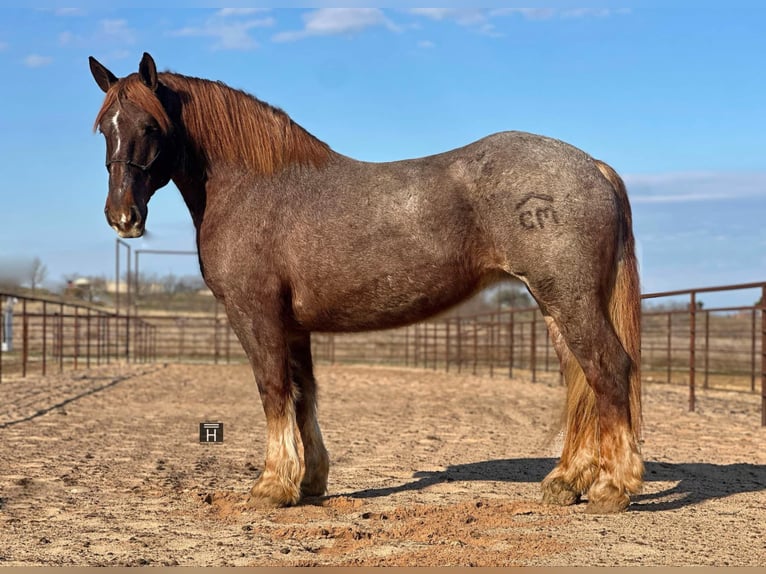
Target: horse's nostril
{"x":135,"y":215}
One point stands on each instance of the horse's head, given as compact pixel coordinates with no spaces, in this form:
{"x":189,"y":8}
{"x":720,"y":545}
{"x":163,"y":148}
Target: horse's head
{"x":140,"y":150}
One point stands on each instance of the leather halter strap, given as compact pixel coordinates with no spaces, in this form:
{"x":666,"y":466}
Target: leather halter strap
{"x":134,"y":164}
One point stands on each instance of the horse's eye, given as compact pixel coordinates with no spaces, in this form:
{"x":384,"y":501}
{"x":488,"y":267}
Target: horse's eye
{"x":149,"y":129}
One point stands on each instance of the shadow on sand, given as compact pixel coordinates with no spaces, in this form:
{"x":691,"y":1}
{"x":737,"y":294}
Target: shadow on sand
{"x":695,"y":482}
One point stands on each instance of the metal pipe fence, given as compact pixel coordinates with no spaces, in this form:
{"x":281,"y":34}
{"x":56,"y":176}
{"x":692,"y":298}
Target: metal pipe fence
{"x":711,"y":348}
{"x":45,"y":336}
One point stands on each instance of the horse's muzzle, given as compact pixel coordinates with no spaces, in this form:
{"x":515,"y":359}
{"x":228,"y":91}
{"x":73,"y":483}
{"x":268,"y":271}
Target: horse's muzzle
{"x":127,"y":223}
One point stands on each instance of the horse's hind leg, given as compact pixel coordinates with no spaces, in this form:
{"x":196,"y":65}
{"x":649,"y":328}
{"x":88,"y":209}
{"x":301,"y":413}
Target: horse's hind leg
{"x":578,"y":466}
{"x":600,"y":453}
{"x":316,"y":459}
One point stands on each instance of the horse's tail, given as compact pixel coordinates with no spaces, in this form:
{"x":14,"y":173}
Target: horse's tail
{"x":625,"y":299}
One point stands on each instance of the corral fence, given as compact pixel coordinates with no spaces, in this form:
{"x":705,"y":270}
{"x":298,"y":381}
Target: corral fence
{"x":44,"y":336}
{"x":682,"y":342}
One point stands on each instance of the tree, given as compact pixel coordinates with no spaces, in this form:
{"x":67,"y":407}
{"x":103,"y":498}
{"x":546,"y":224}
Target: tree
{"x":512,"y":295}
{"x":37,"y":273}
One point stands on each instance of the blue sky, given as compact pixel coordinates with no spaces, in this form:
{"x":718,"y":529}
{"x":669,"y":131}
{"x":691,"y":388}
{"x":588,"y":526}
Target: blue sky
{"x":672,"y":94}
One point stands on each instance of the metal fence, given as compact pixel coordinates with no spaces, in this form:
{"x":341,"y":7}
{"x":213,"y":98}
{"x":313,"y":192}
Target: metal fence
{"x":45,"y":336}
{"x":722,"y":347}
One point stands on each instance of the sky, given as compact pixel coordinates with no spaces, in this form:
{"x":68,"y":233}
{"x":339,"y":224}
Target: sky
{"x":671,"y":94}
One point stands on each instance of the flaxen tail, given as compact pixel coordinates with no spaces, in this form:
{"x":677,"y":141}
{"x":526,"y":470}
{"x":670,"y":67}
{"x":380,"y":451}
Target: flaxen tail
{"x":625,"y":300}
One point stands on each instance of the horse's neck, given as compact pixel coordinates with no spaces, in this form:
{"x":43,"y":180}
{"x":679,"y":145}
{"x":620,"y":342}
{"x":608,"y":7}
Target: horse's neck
{"x":193,"y":191}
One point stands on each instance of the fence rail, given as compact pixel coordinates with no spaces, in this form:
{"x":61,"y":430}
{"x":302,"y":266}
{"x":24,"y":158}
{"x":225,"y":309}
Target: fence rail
{"x":44,"y":336}
{"x":721,"y":347}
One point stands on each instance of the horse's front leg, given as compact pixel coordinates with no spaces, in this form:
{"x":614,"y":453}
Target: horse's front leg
{"x":260,"y":329}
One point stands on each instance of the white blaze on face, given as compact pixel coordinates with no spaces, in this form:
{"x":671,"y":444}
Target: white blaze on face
{"x":116,"y":131}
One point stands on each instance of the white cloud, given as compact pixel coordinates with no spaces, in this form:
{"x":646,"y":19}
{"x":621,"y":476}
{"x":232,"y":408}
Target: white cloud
{"x":225,"y":12}
{"x":37,"y":61}
{"x":526,"y":13}
{"x":116,"y":31}
{"x":67,"y":38}
{"x":229,"y":33}
{"x":69,"y":12}
{"x":474,"y":18}
{"x":481,"y":20}
{"x":111,"y":32}
{"x":434,"y":13}
{"x":3,"y":46}
{"x":426,"y":44}
{"x":463,"y":16}
{"x":682,"y":187}
{"x":334,"y":21}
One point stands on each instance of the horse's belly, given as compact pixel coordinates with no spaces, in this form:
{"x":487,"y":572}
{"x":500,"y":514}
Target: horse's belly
{"x":383,"y":301}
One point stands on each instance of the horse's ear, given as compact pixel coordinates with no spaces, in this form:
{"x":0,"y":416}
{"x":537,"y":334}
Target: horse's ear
{"x":147,"y":71}
{"x":104,"y":78}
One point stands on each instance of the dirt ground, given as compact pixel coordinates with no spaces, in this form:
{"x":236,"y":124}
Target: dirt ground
{"x":428,"y":469}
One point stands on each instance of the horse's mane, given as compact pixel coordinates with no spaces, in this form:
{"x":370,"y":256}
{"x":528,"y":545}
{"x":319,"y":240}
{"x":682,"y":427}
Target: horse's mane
{"x":225,"y":124}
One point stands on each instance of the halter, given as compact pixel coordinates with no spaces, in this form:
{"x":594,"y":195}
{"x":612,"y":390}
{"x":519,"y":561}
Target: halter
{"x":134,"y":164}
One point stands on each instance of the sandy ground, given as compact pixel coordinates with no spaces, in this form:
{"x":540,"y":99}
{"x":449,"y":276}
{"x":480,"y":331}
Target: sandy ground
{"x":106,"y":468}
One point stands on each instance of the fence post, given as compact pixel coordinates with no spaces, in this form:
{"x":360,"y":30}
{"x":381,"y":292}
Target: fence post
{"x":436,"y":345}
{"x":707,"y":348}
{"x":692,"y":346}
{"x":763,"y":356}
{"x":24,"y":338}
{"x":76,"y":349}
{"x":670,"y":343}
{"x":446,"y":345}
{"x":459,"y":344}
{"x":87,"y":338}
{"x":45,"y":333}
{"x":533,"y":346}
{"x":2,"y":335}
{"x":511,"y":313}
{"x":752,"y":350}
{"x":491,"y":346}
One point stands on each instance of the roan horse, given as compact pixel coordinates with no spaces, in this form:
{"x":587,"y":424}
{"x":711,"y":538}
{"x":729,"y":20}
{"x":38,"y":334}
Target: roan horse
{"x":294,"y":237}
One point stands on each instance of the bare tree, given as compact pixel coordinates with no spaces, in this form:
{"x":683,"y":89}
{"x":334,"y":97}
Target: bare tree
{"x":38,"y":271}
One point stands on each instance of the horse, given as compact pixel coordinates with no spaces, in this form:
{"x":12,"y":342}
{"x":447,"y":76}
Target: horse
{"x":295,"y":238}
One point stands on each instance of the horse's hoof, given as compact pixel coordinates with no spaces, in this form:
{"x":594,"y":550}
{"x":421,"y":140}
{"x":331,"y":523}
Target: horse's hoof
{"x":313,"y":490}
{"x":606,"y":498}
{"x":261,"y":503}
{"x":611,"y":506}
{"x":559,"y":493}
{"x":268,"y":493}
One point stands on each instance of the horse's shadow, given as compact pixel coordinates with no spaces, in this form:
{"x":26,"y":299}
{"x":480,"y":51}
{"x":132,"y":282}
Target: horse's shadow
{"x":695,"y":482}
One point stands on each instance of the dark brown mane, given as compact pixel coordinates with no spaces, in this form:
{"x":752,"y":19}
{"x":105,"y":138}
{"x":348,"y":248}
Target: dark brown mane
{"x":226,"y":126}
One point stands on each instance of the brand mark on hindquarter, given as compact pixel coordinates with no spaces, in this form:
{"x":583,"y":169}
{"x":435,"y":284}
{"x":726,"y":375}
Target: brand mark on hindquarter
{"x":532,"y":217}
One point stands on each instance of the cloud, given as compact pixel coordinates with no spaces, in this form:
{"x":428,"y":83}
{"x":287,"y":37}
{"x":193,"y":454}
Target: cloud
{"x":3,"y":45}
{"x":683,"y":187}
{"x":426,"y":44}
{"x":434,"y":13}
{"x":474,"y":18}
{"x":335,"y":21}
{"x":229,"y":32}
{"x":526,"y":13}
{"x":482,"y":20}
{"x":225,"y":12}
{"x":109,"y":32}
{"x":116,"y":31}
{"x":69,"y":12}
{"x":463,"y":16}
{"x":37,"y":61}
